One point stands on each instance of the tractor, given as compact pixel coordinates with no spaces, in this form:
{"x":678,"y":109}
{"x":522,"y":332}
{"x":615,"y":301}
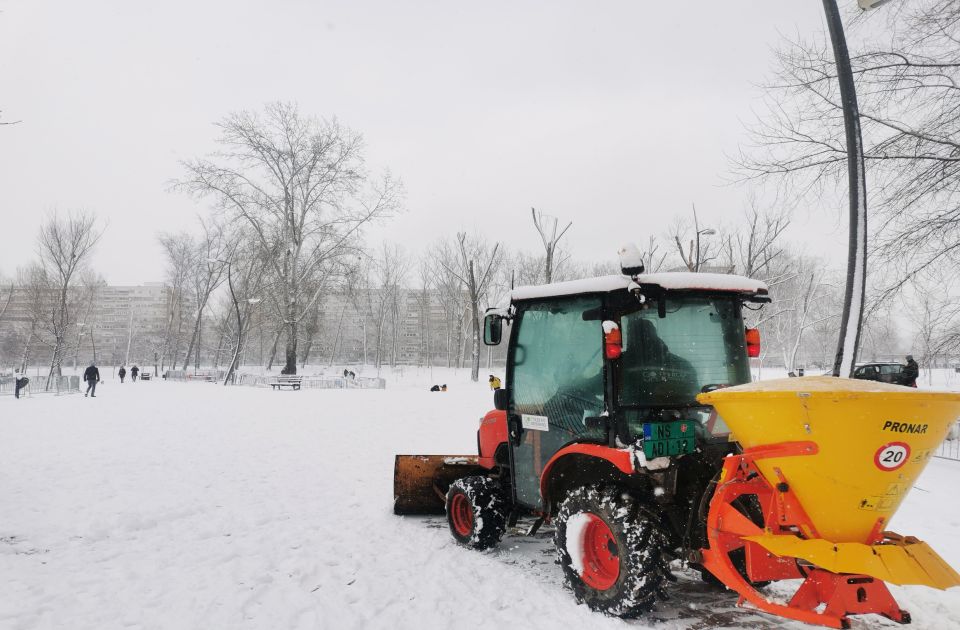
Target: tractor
{"x":608,"y":428}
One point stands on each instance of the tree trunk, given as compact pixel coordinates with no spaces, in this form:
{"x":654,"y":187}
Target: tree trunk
{"x":290,"y":366}
{"x":336,"y":339}
{"x":196,"y":364}
{"x":26,"y":351}
{"x":290,"y":313}
{"x":475,"y":316}
{"x":193,"y":339}
{"x":273,"y":349}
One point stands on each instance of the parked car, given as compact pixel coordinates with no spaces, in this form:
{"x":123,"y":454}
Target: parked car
{"x":883,"y":372}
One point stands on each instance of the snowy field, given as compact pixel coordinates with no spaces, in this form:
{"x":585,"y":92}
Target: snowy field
{"x":189,"y":505}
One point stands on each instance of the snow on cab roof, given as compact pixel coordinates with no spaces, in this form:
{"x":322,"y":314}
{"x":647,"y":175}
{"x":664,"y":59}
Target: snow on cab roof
{"x":674,"y":280}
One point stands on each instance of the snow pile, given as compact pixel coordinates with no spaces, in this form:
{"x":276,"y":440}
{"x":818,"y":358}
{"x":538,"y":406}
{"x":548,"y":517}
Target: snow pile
{"x":668,"y":280}
{"x":631,"y":258}
{"x":576,"y":532}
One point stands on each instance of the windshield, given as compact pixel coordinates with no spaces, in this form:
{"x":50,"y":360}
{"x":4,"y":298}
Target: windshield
{"x":668,"y":361}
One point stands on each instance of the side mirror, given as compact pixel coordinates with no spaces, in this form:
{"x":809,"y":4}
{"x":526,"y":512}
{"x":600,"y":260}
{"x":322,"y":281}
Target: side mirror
{"x":492,"y":329}
{"x":501,"y":399}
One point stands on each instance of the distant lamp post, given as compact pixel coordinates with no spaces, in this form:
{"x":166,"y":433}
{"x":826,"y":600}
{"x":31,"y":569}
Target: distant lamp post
{"x":854,"y":296}
{"x":703,"y":232}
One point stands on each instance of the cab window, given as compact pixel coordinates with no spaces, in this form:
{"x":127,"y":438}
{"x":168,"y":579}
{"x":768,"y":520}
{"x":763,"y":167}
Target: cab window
{"x":558,"y":364}
{"x":667,"y":361}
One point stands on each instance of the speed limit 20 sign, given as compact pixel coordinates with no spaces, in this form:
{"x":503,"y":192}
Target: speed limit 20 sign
{"x":892,"y":456}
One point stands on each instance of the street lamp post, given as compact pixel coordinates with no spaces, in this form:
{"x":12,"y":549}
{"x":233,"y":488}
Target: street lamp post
{"x":705,"y":232}
{"x":854,"y":296}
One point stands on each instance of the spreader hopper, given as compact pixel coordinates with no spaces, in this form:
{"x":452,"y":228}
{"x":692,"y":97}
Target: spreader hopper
{"x":826,"y":462}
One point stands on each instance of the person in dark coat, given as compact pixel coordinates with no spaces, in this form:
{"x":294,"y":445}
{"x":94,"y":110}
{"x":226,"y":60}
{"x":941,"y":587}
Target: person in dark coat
{"x":910,"y":372}
{"x":92,"y":376}
{"x":19,"y":383}
{"x":121,"y":373}
{"x":133,"y":373}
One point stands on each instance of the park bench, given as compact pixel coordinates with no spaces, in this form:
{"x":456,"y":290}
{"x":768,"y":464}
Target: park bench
{"x":145,"y":376}
{"x":291,"y":381}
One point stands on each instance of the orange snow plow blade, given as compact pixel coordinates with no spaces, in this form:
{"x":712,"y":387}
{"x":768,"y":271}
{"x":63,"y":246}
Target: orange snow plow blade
{"x":420,"y":482}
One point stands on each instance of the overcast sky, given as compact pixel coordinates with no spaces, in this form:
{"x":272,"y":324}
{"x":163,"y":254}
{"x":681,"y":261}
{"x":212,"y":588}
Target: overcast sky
{"x":616,"y":115}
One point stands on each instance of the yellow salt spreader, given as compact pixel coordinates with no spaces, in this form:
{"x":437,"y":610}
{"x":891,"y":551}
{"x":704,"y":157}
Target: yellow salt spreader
{"x":825,"y":464}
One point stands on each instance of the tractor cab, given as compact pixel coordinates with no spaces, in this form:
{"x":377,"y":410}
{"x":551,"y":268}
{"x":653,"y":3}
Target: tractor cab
{"x":617,"y":362}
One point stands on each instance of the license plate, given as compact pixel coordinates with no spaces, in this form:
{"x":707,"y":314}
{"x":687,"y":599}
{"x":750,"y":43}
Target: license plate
{"x":663,"y":439}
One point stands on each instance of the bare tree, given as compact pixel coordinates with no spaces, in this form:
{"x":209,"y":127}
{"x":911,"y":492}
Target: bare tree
{"x":931,"y":304}
{"x":471,"y":261}
{"x":34,"y":283}
{"x":206,"y":271}
{"x":653,"y":258}
{"x":801,"y":305}
{"x":5,"y":300}
{"x":249,"y":275}
{"x":300,"y":184}
{"x":700,"y":251}
{"x":390,"y":269}
{"x":65,"y":243}
{"x":909,"y":90}
{"x":425,"y":307}
{"x":91,"y":284}
{"x":757,"y":245}
{"x":547,"y":228}
{"x":451,"y":297}
{"x":179,"y":252}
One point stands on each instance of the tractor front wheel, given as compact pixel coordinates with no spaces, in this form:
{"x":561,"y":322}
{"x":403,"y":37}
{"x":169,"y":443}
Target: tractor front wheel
{"x":476,"y":512}
{"x":611,"y":551}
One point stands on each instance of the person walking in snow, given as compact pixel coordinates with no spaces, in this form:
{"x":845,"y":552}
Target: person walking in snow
{"x":133,"y":373}
{"x":495,"y":383}
{"x":910,"y":372}
{"x":92,"y":376}
{"x":19,"y":382}
{"x":121,"y":373}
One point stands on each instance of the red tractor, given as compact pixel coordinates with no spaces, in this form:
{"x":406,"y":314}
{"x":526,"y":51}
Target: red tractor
{"x":598,"y":429}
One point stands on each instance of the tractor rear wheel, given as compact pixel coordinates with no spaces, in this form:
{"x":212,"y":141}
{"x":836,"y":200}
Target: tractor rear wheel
{"x":477,"y":512}
{"x":611,"y":551}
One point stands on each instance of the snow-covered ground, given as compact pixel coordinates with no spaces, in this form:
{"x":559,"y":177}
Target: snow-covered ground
{"x":190,"y":505}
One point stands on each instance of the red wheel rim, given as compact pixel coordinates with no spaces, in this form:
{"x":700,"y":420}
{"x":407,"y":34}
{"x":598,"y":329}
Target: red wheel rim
{"x":601,"y":556}
{"x":461,"y":514}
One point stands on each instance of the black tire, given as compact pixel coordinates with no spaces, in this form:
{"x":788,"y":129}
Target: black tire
{"x":476,"y":512}
{"x":633,"y":538}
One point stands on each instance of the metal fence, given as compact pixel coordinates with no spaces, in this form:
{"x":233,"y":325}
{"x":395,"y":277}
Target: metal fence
{"x":38,"y":385}
{"x":950,"y":449}
{"x":317,"y":382}
{"x":199,"y":376}
{"x":260,"y":380}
